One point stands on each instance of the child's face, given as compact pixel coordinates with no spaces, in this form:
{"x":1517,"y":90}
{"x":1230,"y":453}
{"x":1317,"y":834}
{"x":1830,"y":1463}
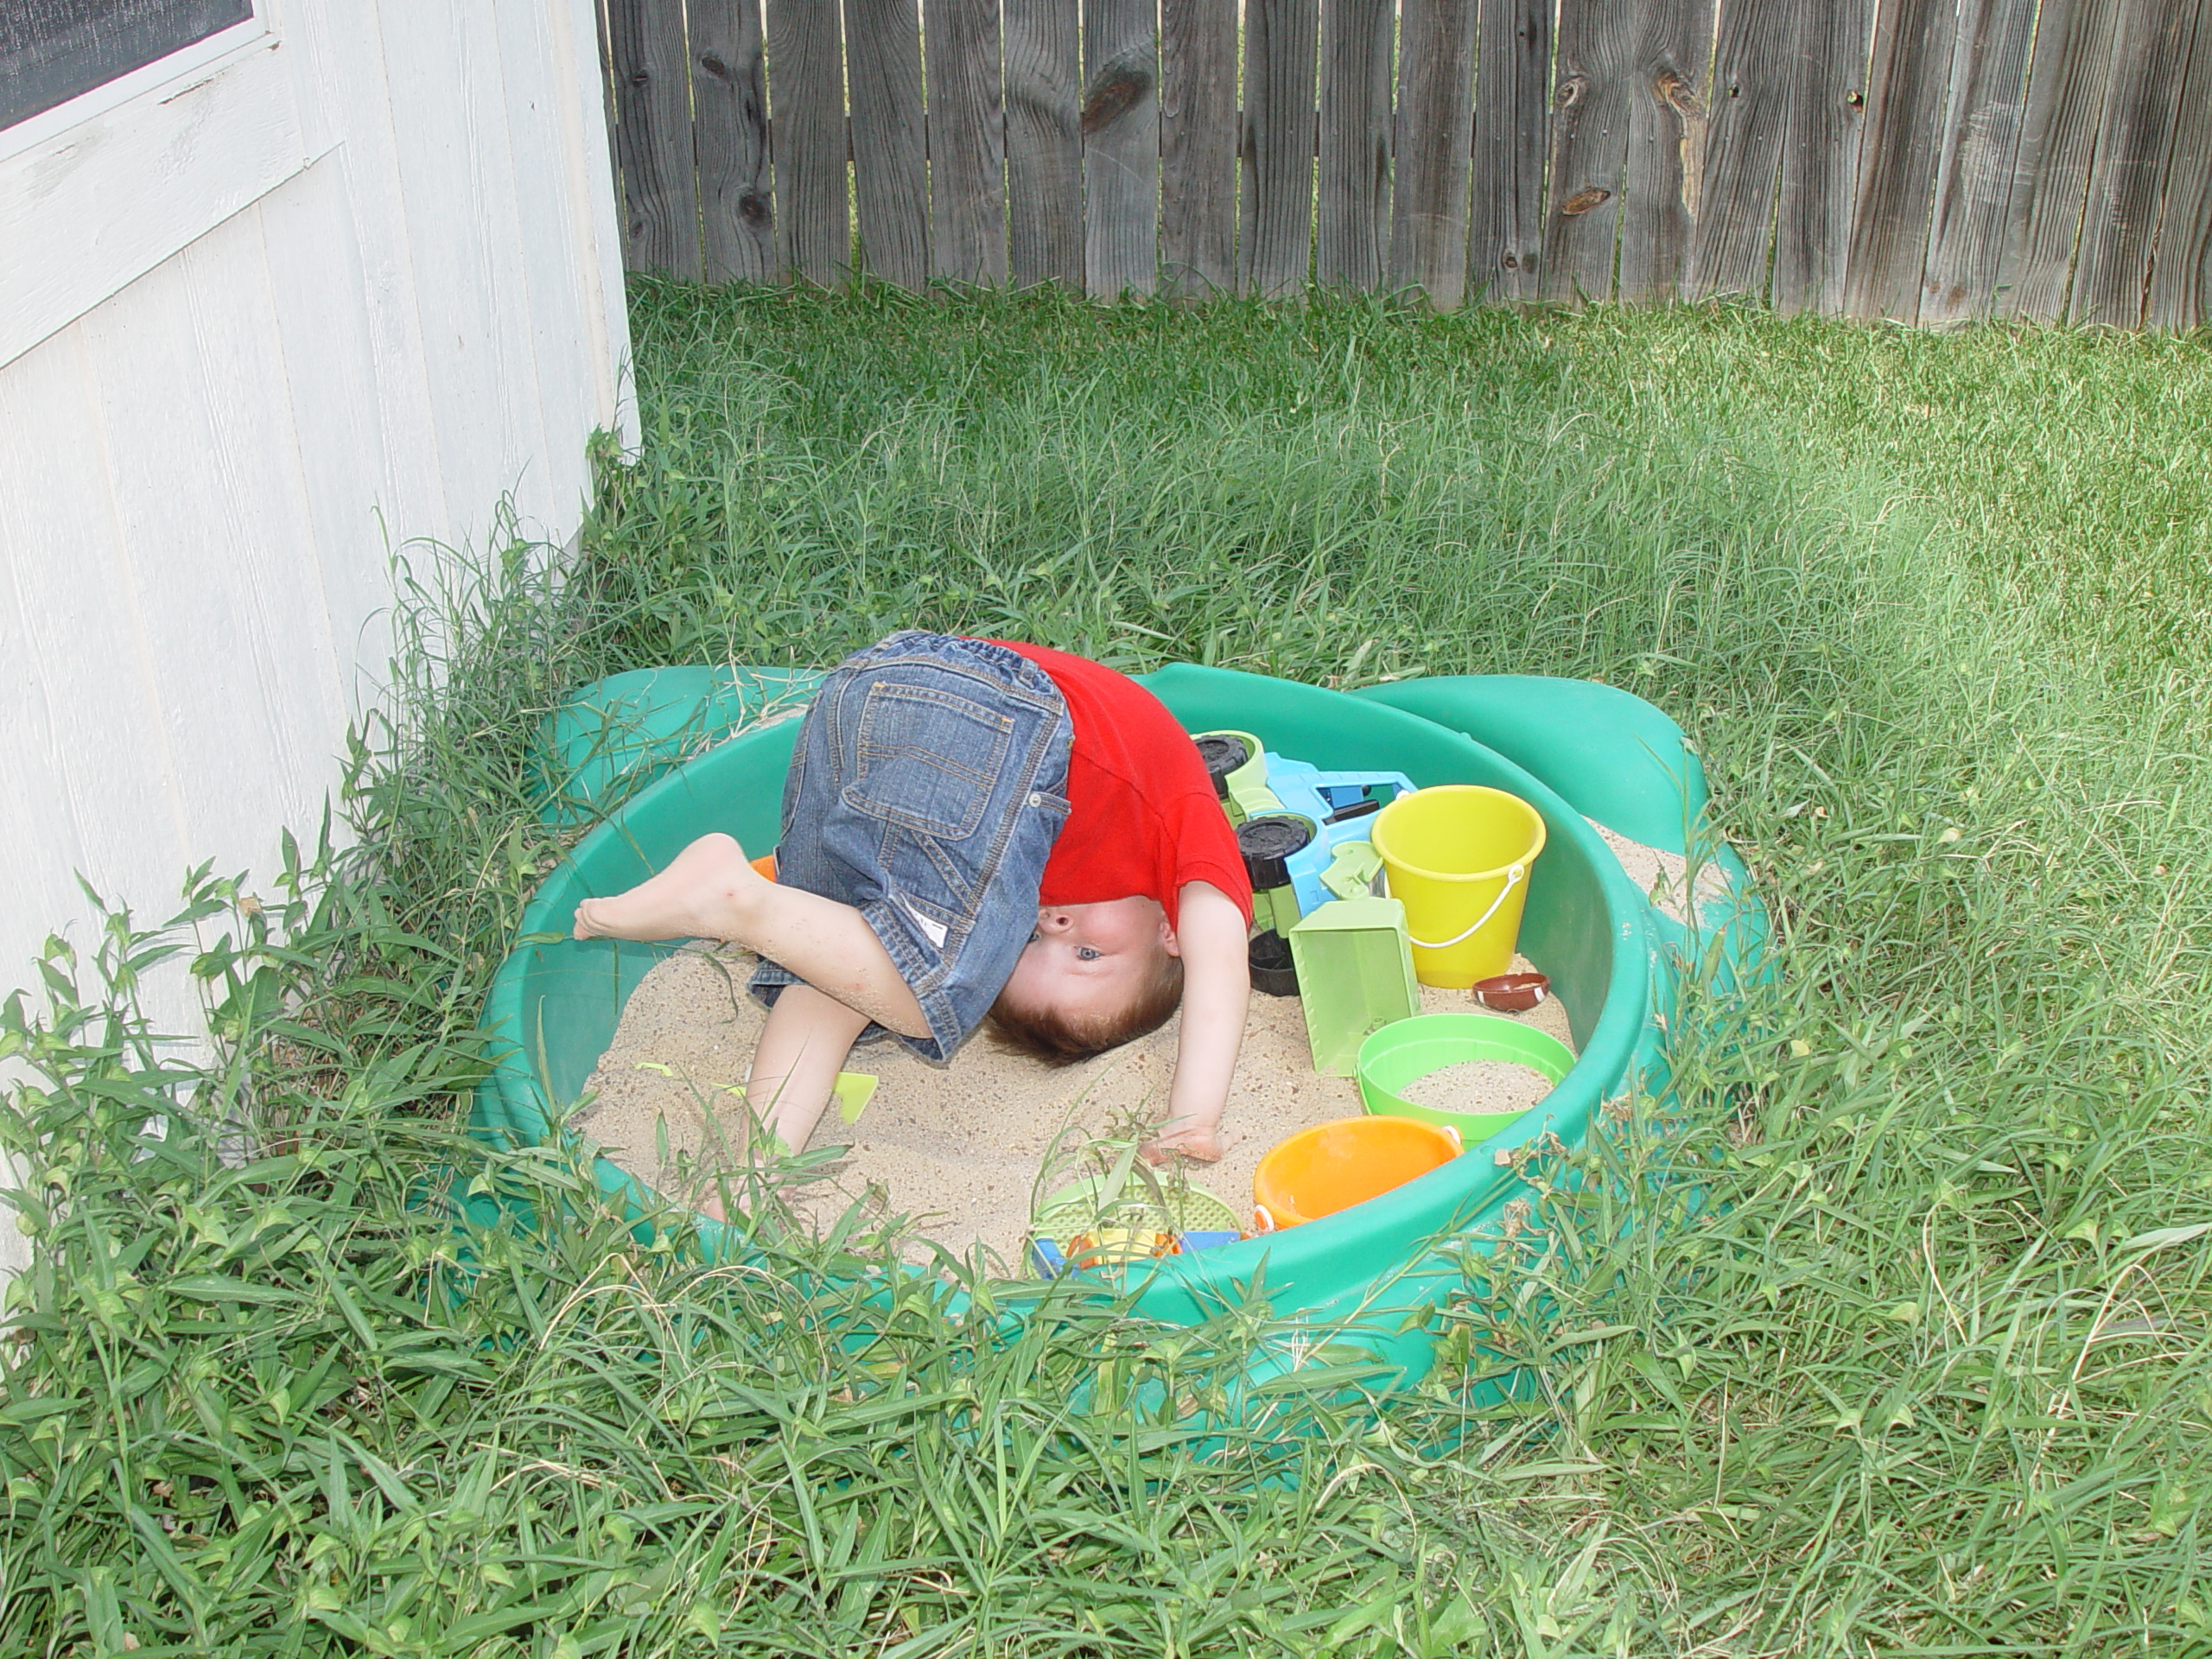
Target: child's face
{"x":1088,"y":961}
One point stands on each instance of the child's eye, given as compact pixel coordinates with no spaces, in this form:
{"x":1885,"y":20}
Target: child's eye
{"x":1085,"y":953}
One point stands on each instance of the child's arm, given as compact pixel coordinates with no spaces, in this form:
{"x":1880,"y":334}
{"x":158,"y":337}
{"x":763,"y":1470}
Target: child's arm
{"x":1217,"y":987}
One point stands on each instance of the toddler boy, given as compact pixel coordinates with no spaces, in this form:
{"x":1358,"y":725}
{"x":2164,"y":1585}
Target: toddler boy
{"x":974,"y":827}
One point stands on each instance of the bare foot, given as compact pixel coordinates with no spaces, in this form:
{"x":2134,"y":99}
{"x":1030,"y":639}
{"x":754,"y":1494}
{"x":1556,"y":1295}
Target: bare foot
{"x":702,"y":894}
{"x":1202,"y":1144}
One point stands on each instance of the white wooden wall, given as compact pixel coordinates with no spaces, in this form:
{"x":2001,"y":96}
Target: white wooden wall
{"x":203,"y":476}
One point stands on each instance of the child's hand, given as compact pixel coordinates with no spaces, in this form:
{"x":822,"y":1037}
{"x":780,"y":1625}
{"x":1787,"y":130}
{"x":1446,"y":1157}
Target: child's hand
{"x":1216,"y":996}
{"x":1202,"y":1142}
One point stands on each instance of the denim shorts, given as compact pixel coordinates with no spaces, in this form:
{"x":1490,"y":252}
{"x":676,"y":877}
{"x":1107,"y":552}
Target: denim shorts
{"x":928,"y":786}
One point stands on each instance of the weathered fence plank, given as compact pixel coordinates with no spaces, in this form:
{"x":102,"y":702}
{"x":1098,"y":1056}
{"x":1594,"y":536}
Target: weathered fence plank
{"x":1754,"y":73}
{"x":2058,"y":140}
{"x":890,"y":166}
{"x":1044,"y":143}
{"x":1120,"y":147}
{"x":1435,"y":141}
{"x":2181,"y":270}
{"x":1274,"y":243}
{"x":1198,"y":148}
{"x":967,"y":142}
{"x":1925,"y":160}
{"x":1981,"y":141}
{"x":1907,"y":82}
{"x":730,"y":100}
{"x":2150,"y":47}
{"x":1354,"y":172}
{"x":1598,"y":41}
{"x":806,"y":91}
{"x":1505,"y":204}
{"x":1667,"y":116}
{"x":1821,"y":156}
{"x":652,"y":114}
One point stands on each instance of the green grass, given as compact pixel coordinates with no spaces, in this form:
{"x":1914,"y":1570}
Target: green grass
{"x":1925,"y":1371}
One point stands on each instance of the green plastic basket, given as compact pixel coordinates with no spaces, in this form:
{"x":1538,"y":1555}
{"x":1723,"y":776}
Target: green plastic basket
{"x":1077,"y":1208}
{"x":1408,"y":1049}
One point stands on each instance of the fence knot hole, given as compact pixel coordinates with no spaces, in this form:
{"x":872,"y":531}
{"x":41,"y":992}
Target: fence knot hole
{"x":1570,"y":90}
{"x":714,"y":66}
{"x":1584,"y":199}
{"x":1122,"y":83}
{"x":1675,"y":92}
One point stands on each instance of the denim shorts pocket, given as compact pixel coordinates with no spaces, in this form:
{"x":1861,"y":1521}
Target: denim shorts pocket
{"x":927,"y":759}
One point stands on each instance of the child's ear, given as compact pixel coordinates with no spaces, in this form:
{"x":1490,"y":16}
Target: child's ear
{"x":1168,"y":942}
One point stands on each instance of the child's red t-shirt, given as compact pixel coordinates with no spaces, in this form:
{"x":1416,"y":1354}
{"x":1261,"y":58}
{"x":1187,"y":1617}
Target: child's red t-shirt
{"x":1143,"y":816}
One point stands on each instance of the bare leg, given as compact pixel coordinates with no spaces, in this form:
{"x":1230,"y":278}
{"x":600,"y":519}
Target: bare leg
{"x":795,"y":1067}
{"x":711,"y":891}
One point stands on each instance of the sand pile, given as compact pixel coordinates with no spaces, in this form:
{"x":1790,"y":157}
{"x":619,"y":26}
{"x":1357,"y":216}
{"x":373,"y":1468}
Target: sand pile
{"x":966,"y":1148}
{"x":1478,"y":1086}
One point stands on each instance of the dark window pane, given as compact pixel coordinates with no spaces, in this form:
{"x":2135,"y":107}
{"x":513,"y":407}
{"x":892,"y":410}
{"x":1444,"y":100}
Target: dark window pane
{"x":51,"y":50}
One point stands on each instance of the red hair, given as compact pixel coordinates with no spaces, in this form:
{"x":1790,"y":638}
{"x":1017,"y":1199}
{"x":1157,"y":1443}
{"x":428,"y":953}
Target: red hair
{"x":1059,"y":1039}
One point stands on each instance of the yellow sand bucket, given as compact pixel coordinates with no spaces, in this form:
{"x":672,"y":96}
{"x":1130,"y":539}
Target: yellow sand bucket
{"x":1458,"y":856}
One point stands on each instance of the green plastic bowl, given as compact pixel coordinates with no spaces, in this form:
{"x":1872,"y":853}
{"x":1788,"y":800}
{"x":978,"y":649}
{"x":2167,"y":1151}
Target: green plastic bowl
{"x":1406,"y":1049}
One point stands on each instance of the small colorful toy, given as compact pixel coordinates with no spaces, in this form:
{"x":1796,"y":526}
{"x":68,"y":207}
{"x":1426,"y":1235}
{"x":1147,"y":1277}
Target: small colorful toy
{"x":1512,"y":993}
{"x":1397,"y":1056}
{"x":1049,"y":1261}
{"x":1332,"y":1167}
{"x":1310,"y":816}
{"x":852,"y":1090}
{"x":1302,"y":832}
{"x":1239,"y":767}
{"x":1275,"y":970}
{"x":1356,"y":974}
{"x":1120,"y":1213}
{"x":1460,"y":856}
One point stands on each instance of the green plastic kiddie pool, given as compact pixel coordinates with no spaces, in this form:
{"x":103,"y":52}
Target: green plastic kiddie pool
{"x":656,"y":746}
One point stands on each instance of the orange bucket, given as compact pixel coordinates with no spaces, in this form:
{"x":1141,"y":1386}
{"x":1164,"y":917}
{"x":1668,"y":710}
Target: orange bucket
{"x":1332,"y":1167}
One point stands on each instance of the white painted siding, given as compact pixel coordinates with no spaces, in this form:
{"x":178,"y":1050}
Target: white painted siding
{"x":202,"y":478}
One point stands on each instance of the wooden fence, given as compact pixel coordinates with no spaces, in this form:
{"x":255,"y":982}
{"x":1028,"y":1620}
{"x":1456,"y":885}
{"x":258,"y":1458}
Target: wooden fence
{"x":1924,"y":159}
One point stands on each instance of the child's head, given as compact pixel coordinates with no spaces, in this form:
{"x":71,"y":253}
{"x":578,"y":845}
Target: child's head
{"x":1092,"y":977}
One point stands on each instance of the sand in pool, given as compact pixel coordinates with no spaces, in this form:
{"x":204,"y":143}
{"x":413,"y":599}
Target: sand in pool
{"x":1664,"y":877}
{"x":964,"y":1148}
{"x":1484,"y":1086}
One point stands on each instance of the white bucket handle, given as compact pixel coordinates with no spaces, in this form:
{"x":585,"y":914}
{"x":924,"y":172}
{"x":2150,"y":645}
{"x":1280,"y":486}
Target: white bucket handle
{"x":1512,"y":875}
